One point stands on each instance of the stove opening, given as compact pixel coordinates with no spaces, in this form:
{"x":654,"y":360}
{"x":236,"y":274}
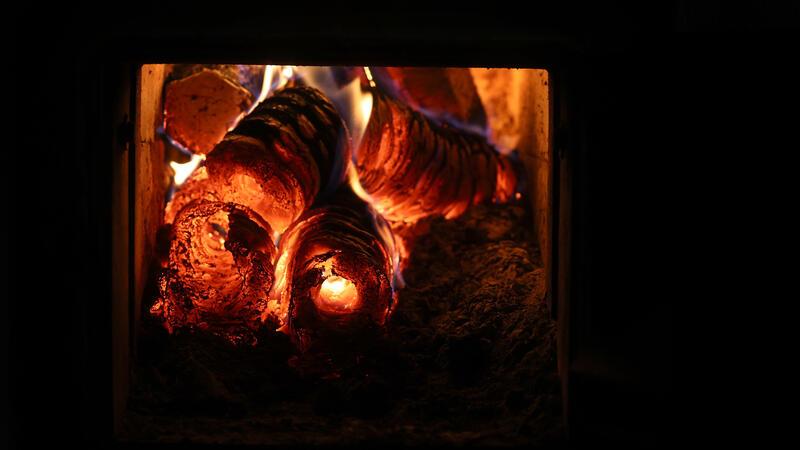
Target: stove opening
{"x":338,"y":255}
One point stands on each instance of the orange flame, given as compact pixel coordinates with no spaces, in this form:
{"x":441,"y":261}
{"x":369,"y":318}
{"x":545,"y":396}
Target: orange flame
{"x":368,"y":73}
{"x":353,"y":103}
{"x":183,"y":171}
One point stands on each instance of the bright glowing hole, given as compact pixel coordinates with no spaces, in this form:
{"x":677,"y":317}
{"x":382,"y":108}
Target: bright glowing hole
{"x":337,"y":294}
{"x":182,"y":171}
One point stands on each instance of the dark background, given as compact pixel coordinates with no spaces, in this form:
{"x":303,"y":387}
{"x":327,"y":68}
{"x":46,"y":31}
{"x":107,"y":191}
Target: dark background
{"x":664,"y":105}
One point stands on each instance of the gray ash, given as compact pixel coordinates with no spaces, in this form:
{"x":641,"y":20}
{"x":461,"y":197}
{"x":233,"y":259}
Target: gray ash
{"x":469,"y":359}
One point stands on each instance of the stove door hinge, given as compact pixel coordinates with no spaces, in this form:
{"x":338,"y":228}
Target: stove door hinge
{"x":561,"y":142}
{"x":124,"y":134}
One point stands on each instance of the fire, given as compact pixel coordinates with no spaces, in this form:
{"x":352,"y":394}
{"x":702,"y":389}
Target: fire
{"x":364,"y":111}
{"x":266,"y":88}
{"x":353,"y":103}
{"x":355,"y":185}
{"x":342,"y":259}
{"x":396,"y":251}
{"x":280,"y":293}
{"x":275,"y":77}
{"x":368,"y":73}
{"x":363,"y":100}
{"x":278,"y":296}
{"x":182,"y":171}
{"x":337,"y":295}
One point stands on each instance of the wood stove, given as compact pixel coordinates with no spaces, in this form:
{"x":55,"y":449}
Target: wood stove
{"x":119,"y":209}
{"x":488,"y":191}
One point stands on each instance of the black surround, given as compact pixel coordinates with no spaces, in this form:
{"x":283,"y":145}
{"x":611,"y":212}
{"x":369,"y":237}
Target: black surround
{"x":615,"y":323}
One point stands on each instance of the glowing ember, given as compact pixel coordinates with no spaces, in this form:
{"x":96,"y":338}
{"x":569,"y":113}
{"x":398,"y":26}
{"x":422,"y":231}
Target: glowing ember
{"x":335,"y":274}
{"x":220,"y":271}
{"x":338,"y":267}
{"x":411,"y":167}
{"x":337,"y":294}
{"x":277,"y":160}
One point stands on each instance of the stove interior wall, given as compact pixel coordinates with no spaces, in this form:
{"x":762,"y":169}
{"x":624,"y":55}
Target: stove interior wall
{"x":151,"y":179}
{"x":535,"y":151}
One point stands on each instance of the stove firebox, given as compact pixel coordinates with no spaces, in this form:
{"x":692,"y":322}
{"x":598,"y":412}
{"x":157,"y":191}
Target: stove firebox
{"x":308,"y":239}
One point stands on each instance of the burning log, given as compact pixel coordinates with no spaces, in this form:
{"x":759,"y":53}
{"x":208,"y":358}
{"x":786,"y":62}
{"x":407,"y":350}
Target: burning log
{"x":203,"y":102}
{"x":411,"y":167}
{"x":220,"y":270}
{"x":447,"y":93}
{"x":291,"y":148}
{"x":335,"y":274}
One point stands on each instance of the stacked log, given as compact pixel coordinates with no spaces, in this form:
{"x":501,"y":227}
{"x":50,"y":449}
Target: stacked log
{"x":278,"y":174}
{"x":220,"y":271}
{"x":335,"y":275}
{"x":202,"y":102}
{"x":413,"y":167}
{"x":278,"y":159}
{"x":445,"y":93}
